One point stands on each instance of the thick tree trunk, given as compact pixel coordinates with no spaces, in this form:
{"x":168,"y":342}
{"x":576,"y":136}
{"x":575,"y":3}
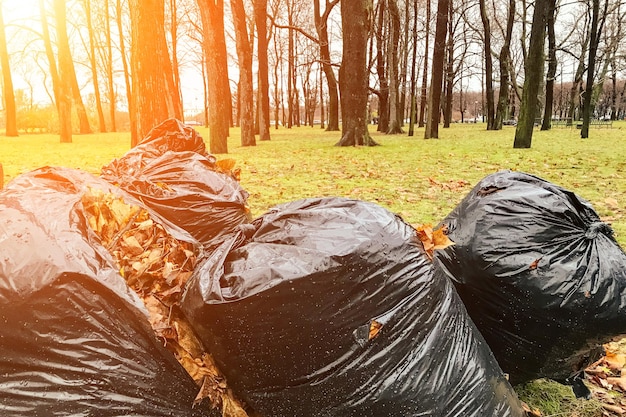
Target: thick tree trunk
{"x":552,"y":66}
{"x":263,"y":97}
{"x":7,"y":87}
{"x":220,"y":106}
{"x":354,"y":74}
{"x":533,"y":73}
{"x":246,"y":92}
{"x":321,"y":24}
{"x":434,"y":96}
{"x":505,"y":63}
{"x":151,"y":67}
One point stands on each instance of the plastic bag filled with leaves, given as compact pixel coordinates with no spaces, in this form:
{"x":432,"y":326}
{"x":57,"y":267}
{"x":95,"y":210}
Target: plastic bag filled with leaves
{"x":191,"y":191}
{"x":75,"y":338}
{"x":540,"y":274}
{"x":328,"y":307}
{"x":169,"y":136}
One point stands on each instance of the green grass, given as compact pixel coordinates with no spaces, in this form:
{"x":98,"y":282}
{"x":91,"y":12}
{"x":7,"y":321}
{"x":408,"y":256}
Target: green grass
{"x":420,"y":179}
{"x":554,"y":400}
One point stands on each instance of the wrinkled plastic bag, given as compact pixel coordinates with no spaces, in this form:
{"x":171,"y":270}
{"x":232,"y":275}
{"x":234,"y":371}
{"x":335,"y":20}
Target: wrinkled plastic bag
{"x":541,"y":276}
{"x":185,"y":189}
{"x":75,"y":340}
{"x":328,"y":307}
{"x":169,"y":136}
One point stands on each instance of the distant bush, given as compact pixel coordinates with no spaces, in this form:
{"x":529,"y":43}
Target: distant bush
{"x":41,"y":119}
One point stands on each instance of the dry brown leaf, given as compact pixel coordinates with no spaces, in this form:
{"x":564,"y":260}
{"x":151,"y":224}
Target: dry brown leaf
{"x":375,"y":327}
{"x":432,"y":240}
{"x":614,"y":409}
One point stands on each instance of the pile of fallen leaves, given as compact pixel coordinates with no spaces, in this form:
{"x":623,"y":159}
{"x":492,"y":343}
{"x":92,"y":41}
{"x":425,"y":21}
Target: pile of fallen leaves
{"x":606,"y":378}
{"x":157,"y":266}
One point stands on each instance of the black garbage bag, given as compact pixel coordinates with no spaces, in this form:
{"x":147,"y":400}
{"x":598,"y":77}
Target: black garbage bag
{"x":328,"y":307}
{"x":184,"y":189}
{"x":75,"y":340}
{"x":170,"y":136}
{"x":541,"y":276}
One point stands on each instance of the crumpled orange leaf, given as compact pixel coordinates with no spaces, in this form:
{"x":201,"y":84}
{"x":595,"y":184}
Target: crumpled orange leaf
{"x":433,"y":239}
{"x":375,"y":327}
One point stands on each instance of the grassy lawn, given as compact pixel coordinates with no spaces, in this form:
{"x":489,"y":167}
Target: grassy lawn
{"x":422,"y":180}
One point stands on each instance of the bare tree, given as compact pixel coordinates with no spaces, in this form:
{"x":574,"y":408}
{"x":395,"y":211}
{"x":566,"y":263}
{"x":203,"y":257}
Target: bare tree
{"x":220,"y":108}
{"x":109,"y":65}
{"x":263,"y":100}
{"x":66,"y":65}
{"x":395,"y":112}
{"x":353,"y":74}
{"x":93,"y":64}
{"x":434,"y":96}
{"x":132,"y":113}
{"x":245,"y":90}
{"x":420,"y":119}
{"x":153,"y":98}
{"x":489,"y":93}
{"x":321,"y":25}
{"x":505,"y":64}
{"x":533,"y":75}
{"x":7,"y":86}
{"x":597,"y":24}
{"x":552,"y":67}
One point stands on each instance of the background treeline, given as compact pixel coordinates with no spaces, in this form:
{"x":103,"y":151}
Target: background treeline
{"x":86,"y":65}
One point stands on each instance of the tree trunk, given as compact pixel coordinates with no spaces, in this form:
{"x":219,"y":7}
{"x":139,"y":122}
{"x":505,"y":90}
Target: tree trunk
{"x":263,"y":97}
{"x":63,"y":89}
{"x":533,"y":73}
{"x":174,"y":80}
{"x":552,"y":66}
{"x":434,"y":96}
{"x":321,"y":24}
{"x":505,"y":63}
{"x":132,"y":113}
{"x":354,"y":74}
{"x":597,"y":22}
{"x":449,"y":79}
{"x":395,"y":112}
{"x":220,"y":106}
{"x":151,"y":67}
{"x":381,"y":71}
{"x":488,"y":66}
{"x":94,"y":67}
{"x":413,"y":110}
{"x":246,"y":92}
{"x":109,"y":66}
{"x":7,"y":87}
{"x":423,"y":95}
{"x":66,"y":66}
